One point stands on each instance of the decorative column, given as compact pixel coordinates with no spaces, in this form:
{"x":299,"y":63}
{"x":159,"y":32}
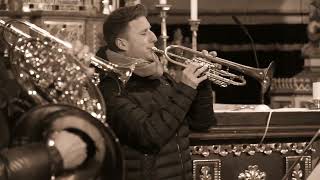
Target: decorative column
{"x":194,"y":22}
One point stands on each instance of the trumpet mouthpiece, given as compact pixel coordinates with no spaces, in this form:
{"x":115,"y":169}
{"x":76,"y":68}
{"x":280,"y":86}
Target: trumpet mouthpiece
{"x":157,"y":50}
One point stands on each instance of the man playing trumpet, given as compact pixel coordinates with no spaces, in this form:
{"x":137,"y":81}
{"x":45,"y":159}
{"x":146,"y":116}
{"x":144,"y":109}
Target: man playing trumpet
{"x":152,"y":114}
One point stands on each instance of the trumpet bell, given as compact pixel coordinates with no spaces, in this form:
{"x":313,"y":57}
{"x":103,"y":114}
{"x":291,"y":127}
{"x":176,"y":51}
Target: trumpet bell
{"x":50,"y":76}
{"x":266,"y":77}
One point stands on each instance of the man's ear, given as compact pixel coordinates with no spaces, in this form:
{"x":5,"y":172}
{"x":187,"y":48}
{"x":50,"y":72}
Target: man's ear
{"x":122,"y":44}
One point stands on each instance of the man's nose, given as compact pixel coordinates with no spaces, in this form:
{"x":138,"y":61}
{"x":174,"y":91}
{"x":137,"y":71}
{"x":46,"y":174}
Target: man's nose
{"x":153,"y":37}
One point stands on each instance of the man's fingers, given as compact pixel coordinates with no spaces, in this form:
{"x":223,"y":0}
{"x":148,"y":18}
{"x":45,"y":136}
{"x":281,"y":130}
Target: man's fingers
{"x":192,"y":67}
{"x":199,"y":71}
{"x":89,"y":71}
{"x":205,"y":52}
{"x":85,"y":58}
{"x":202,"y":78}
{"x":213,"y":53}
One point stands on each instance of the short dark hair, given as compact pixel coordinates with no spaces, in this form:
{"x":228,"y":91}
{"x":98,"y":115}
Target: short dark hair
{"x":117,"y":22}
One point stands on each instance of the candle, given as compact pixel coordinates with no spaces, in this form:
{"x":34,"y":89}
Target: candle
{"x":316,"y":90}
{"x":194,"y":9}
{"x":163,"y":1}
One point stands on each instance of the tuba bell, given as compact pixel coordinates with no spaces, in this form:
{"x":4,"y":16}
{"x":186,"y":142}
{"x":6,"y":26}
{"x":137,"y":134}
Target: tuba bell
{"x":65,"y":96}
{"x":217,"y":67}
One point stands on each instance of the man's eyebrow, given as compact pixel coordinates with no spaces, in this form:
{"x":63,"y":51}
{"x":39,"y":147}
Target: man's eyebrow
{"x":145,"y":30}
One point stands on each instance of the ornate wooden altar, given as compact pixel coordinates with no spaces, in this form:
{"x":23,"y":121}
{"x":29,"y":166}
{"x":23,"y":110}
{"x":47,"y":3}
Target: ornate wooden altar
{"x":84,"y":24}
{"x":296,"y":91}
{"x":232,"y":149}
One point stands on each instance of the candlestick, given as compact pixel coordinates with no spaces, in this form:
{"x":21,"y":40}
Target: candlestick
{"x":163,"y":2}
{"x":316,"y":90}
{"x":194,"y":9}
{"x":164,"y":37}
{"x":316,"y":95}
{"x":194,"y":25}
{"x":106,"y":7}
{"x":163,"y":15}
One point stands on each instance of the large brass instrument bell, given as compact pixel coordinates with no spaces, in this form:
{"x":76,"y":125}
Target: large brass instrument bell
{"x":217,"y":67}
{"x":59,"y":84}
{"x":47,"y":73}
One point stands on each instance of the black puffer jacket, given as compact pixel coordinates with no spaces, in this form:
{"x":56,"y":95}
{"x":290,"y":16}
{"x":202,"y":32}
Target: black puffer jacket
{"x":152,"y":120}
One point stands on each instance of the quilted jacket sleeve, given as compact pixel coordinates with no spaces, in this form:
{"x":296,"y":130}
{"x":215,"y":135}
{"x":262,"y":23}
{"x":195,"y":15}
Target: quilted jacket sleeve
{"x":201,"y":111}
{"x":33,"y":161}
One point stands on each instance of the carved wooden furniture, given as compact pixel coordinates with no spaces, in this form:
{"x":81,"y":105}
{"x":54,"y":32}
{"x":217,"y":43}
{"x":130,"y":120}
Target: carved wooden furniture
{"x":297,"y":91}
{"x":232,"y":149}
{"x":69,"y":26}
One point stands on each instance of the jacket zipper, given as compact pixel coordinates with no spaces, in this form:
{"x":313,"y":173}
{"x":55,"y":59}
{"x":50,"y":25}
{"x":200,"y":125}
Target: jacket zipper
{"x":180,"y":156}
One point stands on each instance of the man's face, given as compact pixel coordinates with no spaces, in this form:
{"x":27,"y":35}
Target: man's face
{"x":140,"y":39}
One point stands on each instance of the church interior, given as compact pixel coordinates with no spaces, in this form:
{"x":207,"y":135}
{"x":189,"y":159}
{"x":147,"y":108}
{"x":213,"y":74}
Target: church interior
{"x":268,"y":127}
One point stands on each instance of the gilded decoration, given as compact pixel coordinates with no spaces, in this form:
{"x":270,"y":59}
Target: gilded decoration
{"x":292,"y":84}
{"x":207,"y":169}
{"x":60,"y":5}
{"x":252,"y":173}
{"x":66,"y":30}
{"x":301,"y":170}
{"x":250,"y":149}
{"x":205,"y":173}
{"x":297,"y":172}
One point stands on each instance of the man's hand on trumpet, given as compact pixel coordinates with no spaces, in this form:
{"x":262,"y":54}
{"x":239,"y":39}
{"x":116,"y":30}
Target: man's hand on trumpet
{"x":211,"y":53}
{"x":82,"y":53}
{"x":194,"y":73}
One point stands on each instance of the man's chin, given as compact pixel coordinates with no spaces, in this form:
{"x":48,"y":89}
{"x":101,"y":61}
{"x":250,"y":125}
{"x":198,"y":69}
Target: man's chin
{"x":149,"y":58}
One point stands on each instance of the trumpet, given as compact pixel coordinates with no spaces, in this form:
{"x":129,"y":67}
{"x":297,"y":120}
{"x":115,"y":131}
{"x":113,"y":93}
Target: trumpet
{"x":215,"y":65}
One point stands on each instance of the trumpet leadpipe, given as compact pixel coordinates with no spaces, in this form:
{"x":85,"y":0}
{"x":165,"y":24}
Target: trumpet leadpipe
{"x":167,"y":54}
{"x":123,"y":72}
{"x":8,"y":27}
